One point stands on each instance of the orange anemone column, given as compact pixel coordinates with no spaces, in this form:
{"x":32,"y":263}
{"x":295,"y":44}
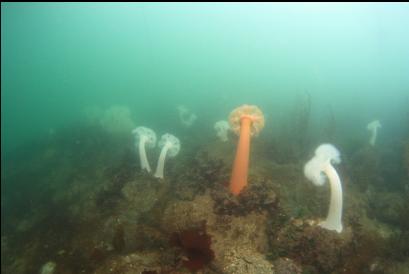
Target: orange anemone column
{"x":241,"y":163}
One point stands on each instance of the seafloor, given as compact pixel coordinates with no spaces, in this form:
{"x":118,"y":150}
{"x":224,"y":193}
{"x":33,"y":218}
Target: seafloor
{"x":78,"y":202}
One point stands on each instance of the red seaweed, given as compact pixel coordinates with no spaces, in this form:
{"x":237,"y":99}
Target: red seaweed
{"x":195,"y":244}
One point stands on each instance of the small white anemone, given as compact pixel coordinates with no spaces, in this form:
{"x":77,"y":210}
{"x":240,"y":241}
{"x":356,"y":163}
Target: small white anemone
{"x":186,"y":116}
{"x":317,"y":170}
{"x":222,"y":128}
{"x":117,"y":120}
{"x":48,"y":268}
{"x":373,"y":128}
{"x":144,"y":137}
{"x":170,"y":147}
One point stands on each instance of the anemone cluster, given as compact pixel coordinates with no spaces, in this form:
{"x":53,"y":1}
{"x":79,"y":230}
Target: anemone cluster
{"x":169,"y":143}
{"x":248,"y":120}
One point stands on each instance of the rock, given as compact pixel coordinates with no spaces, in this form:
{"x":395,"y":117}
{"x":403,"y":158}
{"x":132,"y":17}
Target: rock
{"x":322,"y":249}
{"x":258,"y":196}
{"x":245,"y":261}
{"x":286,"y":266}
{"x":140,"y":262}
{"x":238,"y":242}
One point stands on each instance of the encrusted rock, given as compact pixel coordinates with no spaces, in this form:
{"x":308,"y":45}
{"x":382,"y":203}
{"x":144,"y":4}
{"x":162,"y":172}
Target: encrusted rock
{"x":232,"y":237}
{"x":323,"y":249}
{"x":245,"y":261}
{"x":257,"y":196}
{"x":286,"y":266}
{"x":133,"y":263}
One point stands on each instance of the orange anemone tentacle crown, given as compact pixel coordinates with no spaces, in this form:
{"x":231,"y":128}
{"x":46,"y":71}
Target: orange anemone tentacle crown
{"x":246,"y":121}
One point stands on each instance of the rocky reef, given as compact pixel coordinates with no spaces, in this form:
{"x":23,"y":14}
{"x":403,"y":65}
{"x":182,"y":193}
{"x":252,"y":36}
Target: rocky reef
{"x":108,"y":216}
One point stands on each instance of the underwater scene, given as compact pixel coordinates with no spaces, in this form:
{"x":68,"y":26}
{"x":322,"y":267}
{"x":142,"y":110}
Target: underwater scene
{"x":208,"y":138}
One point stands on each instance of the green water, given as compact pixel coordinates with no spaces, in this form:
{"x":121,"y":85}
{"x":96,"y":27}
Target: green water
{"x":59,"y":58}
{"x":77,"y":78}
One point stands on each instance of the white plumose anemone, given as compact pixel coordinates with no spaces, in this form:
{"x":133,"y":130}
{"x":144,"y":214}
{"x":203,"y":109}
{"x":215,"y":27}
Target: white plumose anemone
{"x":48,"y":268}
{"x":316,"y":170}
{"x":186,"y":116}
{"x":222,"y":128}
{"x":144,"y":137}
{"x":170,"y":147}
{"x":373,"y":128}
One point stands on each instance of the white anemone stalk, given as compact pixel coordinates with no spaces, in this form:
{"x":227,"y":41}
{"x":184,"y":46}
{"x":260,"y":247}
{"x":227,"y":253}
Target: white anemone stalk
{"x":146,"y":137}
{"x":170,"y":147}
{"x":315,"y":169}
{"x":222,"y":128}
{"x":373,"y":128}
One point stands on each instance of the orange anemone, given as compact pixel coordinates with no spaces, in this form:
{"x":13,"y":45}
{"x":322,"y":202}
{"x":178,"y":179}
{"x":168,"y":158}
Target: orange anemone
{"x":246,"y":121}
